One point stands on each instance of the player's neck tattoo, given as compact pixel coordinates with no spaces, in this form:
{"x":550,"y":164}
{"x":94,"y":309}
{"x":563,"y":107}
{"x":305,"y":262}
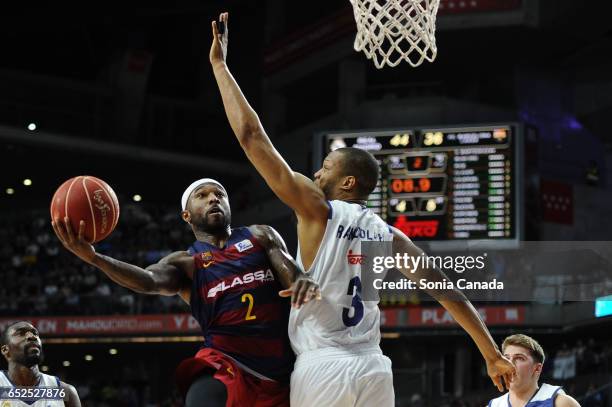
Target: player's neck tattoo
{"x":218,"y":239}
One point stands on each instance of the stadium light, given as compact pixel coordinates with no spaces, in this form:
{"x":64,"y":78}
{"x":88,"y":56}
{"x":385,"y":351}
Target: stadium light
{"x":113,"y":351}
{"x":66,"y":363}
{"x":27,"y":182}
{"x":32,"y":126}
{"x":137,"y":198}
{"x":88,"y":358}
{"x":10,"y":191}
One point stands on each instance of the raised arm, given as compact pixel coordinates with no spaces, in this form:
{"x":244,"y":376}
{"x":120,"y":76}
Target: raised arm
{"x":170,"y":276}
{"x":294,"y":189}
{"x":297,"y":284}
{"x":460,"y":308}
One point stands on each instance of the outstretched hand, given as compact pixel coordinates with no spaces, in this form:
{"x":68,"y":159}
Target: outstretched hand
{"x":218,"y":49}
{"x":301,"y":291}
{"x":501,"y":370}
{"x":76,"y":244}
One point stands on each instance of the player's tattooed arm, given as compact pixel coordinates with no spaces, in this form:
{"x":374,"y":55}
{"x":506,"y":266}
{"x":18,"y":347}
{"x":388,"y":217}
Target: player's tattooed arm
{"x":297,"y":284}
{"x":71,"y":398}
{"x":293,"y":188}
{"x":170,"y":276}
{"x":454,"y":301}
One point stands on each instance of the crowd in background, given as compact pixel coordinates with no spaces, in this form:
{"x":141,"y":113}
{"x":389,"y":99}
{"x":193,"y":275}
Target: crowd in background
{"x":42,"y":277}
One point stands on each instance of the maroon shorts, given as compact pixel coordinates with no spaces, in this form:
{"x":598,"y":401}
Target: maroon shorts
{"x":243,"y":389}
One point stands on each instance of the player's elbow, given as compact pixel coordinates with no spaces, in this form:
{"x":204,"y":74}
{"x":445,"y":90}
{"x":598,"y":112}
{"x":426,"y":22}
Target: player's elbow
{"x":248,"y":131}
{"x":247,"y":137}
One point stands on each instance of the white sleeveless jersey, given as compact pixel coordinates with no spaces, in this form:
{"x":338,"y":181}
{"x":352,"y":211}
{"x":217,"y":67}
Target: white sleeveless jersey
{"x":45,"y":381}
{"x":340,"y":319}
{"x":544,"y":397}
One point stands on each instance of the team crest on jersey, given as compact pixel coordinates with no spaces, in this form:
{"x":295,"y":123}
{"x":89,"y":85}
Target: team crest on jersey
{"x":244,"y":245}
{"x":354,"y":259}
{"x":207,"y":259}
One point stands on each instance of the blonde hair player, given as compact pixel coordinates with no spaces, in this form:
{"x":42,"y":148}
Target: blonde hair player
{"x":528,"y":358}
{"x":336,"y":340}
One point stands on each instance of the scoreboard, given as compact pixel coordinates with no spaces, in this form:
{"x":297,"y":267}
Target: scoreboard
{"x":444,"y":183}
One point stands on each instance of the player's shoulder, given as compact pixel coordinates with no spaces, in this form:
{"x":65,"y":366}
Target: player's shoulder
{"x":564,"y":400}
{"x":398,"y":235}
{"x":181,"y":260}
{"x":501,"y":401}
{"x":175,"y":257}
{"x":72,"y":396}
{"x":266,"y":235}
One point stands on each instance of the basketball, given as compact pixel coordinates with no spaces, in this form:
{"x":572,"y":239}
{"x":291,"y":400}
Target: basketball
{"x":89,"y":199}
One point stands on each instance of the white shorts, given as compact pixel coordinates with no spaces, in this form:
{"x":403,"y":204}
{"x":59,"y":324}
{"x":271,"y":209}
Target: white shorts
{"x":334,"y":377}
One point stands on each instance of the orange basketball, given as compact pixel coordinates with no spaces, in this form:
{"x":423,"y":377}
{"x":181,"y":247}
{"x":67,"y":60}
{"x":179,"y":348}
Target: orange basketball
{"x":89,"y":199}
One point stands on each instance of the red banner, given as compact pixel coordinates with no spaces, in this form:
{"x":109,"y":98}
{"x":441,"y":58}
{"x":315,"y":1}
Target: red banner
{"x":179,"y":324}
{"x":110,"y":325}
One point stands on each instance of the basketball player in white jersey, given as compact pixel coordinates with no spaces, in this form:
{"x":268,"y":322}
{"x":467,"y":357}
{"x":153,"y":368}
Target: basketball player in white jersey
{"x":524,"y":390}
{"x":336,"y":339}
{"x":21,"y":347}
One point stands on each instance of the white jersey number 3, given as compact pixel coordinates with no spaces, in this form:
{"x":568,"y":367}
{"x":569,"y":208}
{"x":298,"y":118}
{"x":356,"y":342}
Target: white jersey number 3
{"x":354,"y":290}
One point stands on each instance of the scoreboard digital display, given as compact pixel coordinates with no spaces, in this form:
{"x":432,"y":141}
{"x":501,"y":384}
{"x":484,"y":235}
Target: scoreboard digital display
{"x":442,"y":184}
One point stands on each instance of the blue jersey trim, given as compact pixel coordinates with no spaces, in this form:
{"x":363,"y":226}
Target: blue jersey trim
{"x":554,"y":395}
{"x":331,"y":210}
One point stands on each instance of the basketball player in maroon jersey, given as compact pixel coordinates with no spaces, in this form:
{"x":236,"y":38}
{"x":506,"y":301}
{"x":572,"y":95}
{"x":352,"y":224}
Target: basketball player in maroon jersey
{"x":233,"y":279}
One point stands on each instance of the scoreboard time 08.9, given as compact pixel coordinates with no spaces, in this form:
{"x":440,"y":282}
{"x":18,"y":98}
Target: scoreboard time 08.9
{"x":441,"y":184}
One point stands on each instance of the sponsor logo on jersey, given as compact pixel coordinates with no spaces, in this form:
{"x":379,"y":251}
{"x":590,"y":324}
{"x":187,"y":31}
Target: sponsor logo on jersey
{"x":355,"y":232}
{"x":207,"y":259}
{"x":246,"y":244}
{"x":354,"y":259}
{"x":261,"y":276}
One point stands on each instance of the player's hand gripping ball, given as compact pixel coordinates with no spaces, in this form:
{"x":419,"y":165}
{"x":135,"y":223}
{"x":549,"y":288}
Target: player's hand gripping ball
{"x":88,"y":199}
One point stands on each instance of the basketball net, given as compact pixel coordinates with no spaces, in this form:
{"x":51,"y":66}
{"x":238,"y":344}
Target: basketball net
{"x":392,"y":31}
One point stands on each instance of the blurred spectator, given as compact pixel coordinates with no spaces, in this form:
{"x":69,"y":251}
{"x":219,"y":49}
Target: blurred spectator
{"x":593,"y":397}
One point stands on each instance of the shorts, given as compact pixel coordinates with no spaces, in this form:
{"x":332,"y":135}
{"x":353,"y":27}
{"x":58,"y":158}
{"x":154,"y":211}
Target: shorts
{"x":334,"y":377}
{"x":243,"y":389}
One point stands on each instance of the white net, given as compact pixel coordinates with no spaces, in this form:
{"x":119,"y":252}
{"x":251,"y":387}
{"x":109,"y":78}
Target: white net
{"x":392,"y":31}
